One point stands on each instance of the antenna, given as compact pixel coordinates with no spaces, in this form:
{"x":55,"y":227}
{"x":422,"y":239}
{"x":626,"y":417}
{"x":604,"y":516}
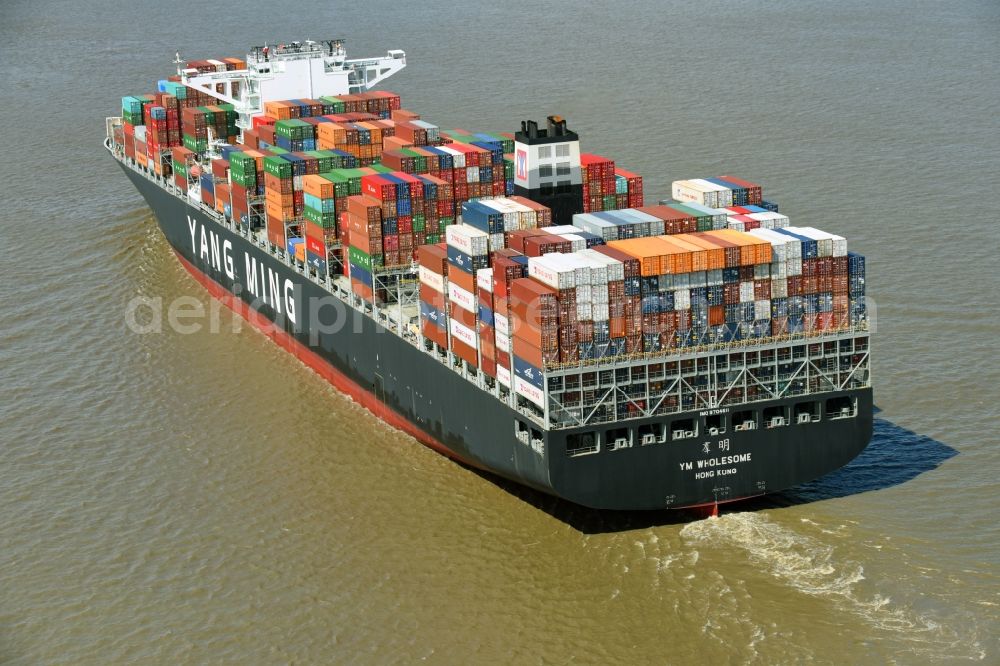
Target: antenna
{"x":178,"y":61}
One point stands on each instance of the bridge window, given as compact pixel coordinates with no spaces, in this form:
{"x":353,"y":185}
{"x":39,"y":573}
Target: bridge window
{"x":683,"y":429}
{"x":619,"y":438}
{"x":715,"y":424}
{"x":544,"y":170}
{"x":562,"y":150}
{"x":544,"y":152}
{"x":776,"y":417}
{"x":744,"y":420}
{"x":843,"y":407}
{"x":806,"y":412}
{"x":652,"y":433}
{"x":582,"y":443}
{"x":522,"y":432}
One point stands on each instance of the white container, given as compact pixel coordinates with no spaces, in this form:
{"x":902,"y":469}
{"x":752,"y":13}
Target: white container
{"x":717,"y":196}
{"x":824,"y":241}
{"x":577,"y":243}
{"x":467,"y":239}
{"x":530,"y":391}
{"x":770,"y":220}
{"x":484,"y":279}
{"x":779,"y":288}
{"x":462,"y":298}
{"x":594,"y":225}
{"x":503,"y":375}
{"x":746,"y":292}
{"x":501,"y":324}
{"x":600,"y":312}
{"x":497,"y":242}
{"x":463,"y":333}
{"x":503,"y":342}
{"x":762,"y":272}
{"x":580,"y":266}
{"x":614,"y":270}
{"x":761,"y":309}
{"x":584,"y":311}
{"x":838,"y":244}
{"x":682,"y":299}
{"x":431,"y":279}
{"x":550,"y":271}
{"x":458,"y":157}
{"x":713,"y":278}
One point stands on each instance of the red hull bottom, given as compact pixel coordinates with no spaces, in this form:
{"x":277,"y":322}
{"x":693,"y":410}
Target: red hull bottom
{"x":300,"y":351}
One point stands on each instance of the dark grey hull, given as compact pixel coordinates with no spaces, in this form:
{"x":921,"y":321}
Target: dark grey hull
{"x":413,"y":390}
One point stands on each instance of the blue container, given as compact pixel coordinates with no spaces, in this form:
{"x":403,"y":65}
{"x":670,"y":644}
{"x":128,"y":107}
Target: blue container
{"x":294,"y":243}
{"x":360,"y":274}
{"x":465,"y":262}
{"x":809,"y":246}
{"x":430,"y":313}
{"x":730,"y":275}
{"x":716,"y":295}
{"x":633,"y":286}
{"x":316,"y":261}
{"x":207,"y":182}
{"x":390,"y":226}
{"x":528,"y":372}
{"x":739,"y":193}
{"x":769,"y":205}
{"x":485,"y":315}
{"x":482,"y":217}
{"x":779,"y":307}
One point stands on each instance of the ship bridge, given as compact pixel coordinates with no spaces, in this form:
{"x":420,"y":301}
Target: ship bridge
{"x":296,"y":70}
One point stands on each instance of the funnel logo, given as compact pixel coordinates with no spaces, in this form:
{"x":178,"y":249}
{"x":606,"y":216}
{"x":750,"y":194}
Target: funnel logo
{"x":522,"y":165}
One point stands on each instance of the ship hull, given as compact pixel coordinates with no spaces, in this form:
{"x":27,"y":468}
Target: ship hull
{"x":412,"y":390}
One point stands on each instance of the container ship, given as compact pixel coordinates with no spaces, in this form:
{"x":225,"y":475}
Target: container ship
{"x":505,"y":298}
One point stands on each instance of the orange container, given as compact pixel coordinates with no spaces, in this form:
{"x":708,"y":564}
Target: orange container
{"x":715,"y":255}
{"x":317,"y":186}
{"x":647,"y":251}
{"x":696,"y":254}
{"x":676,"y":257}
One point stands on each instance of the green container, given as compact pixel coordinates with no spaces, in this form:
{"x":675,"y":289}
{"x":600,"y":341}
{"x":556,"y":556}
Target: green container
{"x":180,"y":168}
{"x":293,"y":129}
{"x":277,"y":166}
{"x":433,"y":239}
{"x":247,"y":180}
{"x":419,"y":223}
{"x":445,"y":221}
{"x":325,"y":220}
{"x":241,"y":163}
{"x":364,"y":260}
{"x":610,"y":202}
{"x":332,"y":105}
{"x":341,"y":184}
{"x":197,"y":145}
{"x":508,"y":169}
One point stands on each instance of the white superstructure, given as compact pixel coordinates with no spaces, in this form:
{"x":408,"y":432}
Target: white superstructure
{"x":298,"y":70}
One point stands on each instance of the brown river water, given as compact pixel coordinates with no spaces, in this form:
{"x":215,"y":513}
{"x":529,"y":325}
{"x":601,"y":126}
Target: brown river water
{"x":205,"y":498}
